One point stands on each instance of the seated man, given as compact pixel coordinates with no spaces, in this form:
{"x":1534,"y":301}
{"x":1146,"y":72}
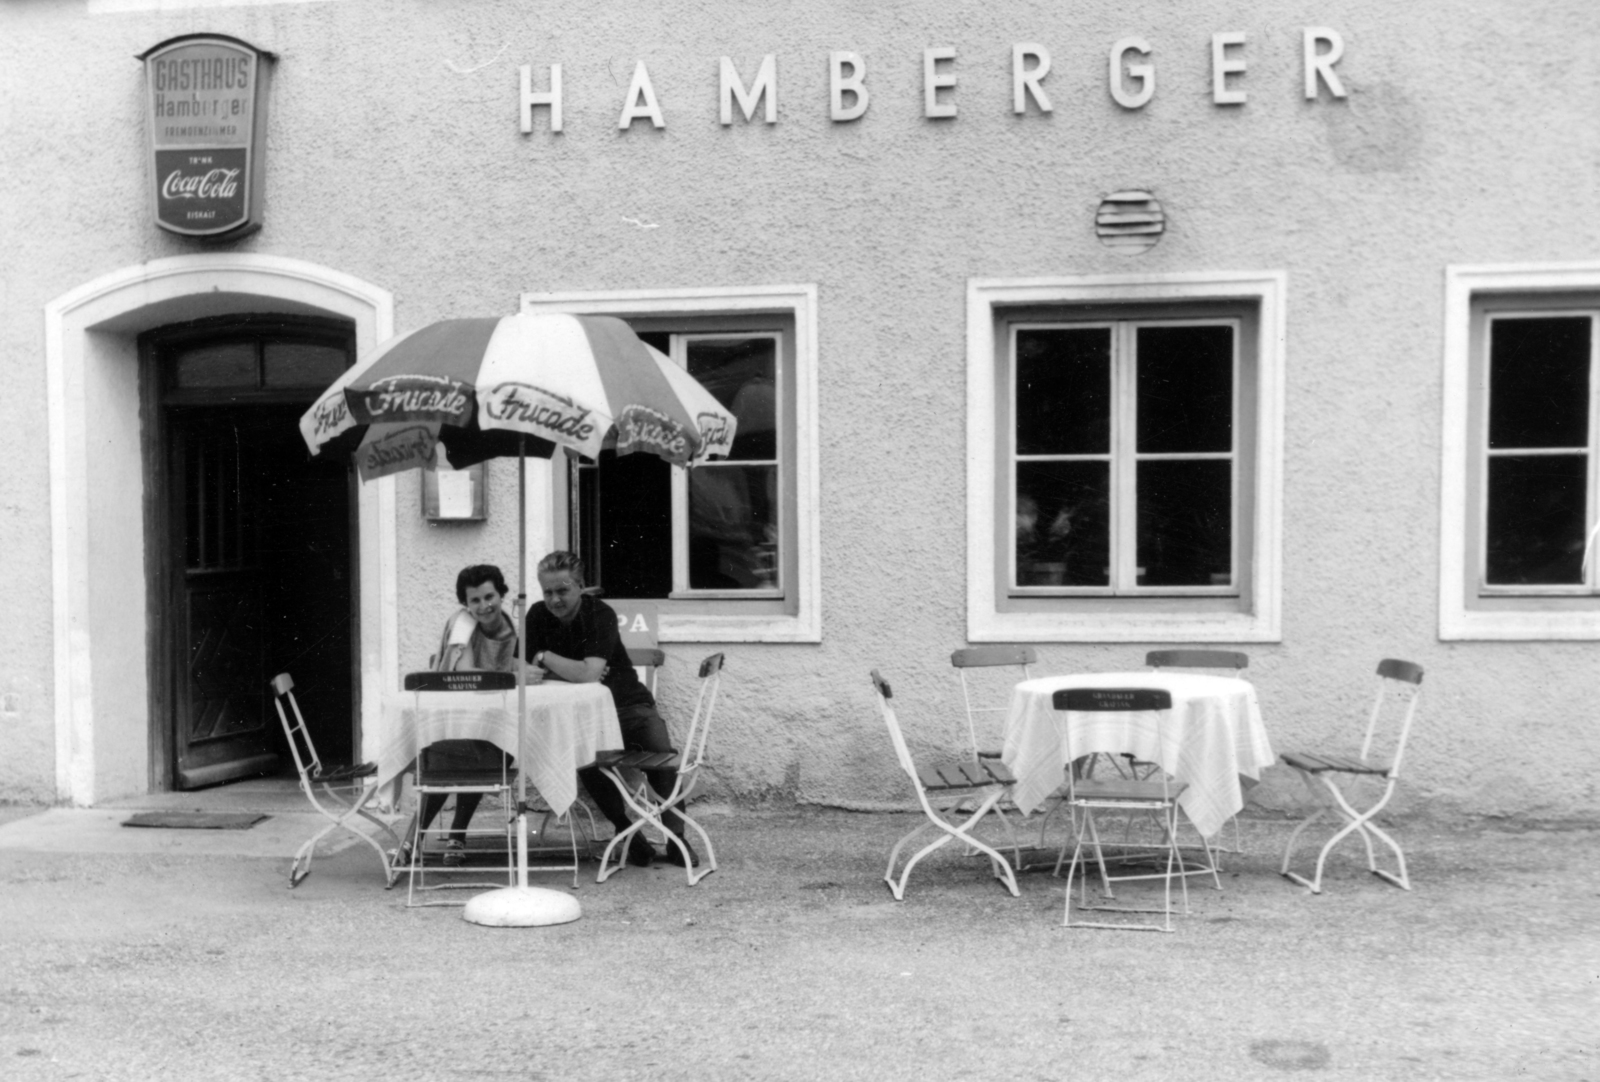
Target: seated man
{"x":479,"y":636}
{"x":573,"y":636}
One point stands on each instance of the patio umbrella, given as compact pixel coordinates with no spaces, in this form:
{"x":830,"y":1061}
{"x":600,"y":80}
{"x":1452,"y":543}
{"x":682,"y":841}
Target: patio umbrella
{"x":462,"y":391}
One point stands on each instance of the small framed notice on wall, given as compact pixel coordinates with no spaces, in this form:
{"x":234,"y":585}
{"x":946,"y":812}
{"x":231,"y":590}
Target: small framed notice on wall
{"x":455,"y":495}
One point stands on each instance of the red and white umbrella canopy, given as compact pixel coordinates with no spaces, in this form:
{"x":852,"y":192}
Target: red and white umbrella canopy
{"x":474,"y":385}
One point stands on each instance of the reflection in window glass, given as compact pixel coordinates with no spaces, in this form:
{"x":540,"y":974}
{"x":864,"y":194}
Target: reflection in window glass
{"x":229,"y":364}
{"x":1063,"y":391}
{"x":733,"y":527}
{"x":302,"y":364}
{"x":1063,"y":523}
{"x":1185,"y":522}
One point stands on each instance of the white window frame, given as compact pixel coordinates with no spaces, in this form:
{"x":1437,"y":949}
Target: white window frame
{"x":1522,"y":614}
{"x":1145,"y":619}
{"x":795,"y":302}
{"x":1124,"y":457}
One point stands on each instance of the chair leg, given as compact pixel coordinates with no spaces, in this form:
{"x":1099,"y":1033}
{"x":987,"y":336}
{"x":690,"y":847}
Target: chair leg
{"x":1355,"y":822}
{"x":951,"y":831}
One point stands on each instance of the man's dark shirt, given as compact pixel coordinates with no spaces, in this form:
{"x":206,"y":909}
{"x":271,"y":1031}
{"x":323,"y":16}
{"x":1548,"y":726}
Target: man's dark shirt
{"x":592,"y":633}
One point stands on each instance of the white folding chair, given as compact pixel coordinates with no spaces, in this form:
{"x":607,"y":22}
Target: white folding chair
{"x":1156,"y":794}
{"x":1235,"y":662}
{"x":1401,"y":680}
{"x":647,"y":805}
{"x":344,"y":790}
{"x":940,"y":790}
{"x":432,"y":777}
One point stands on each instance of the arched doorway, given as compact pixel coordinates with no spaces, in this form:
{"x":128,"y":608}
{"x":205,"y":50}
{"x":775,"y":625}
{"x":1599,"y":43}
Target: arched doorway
{"x":250,"y":545}
{"x":104,"y":573}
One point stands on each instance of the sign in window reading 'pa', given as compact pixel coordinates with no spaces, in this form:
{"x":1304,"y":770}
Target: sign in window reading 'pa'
{"x":207,"y":98}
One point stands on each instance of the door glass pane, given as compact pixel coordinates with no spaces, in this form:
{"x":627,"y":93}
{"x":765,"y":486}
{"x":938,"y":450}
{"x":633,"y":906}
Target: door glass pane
{"x":733,"y":527}
{"x":302,"y":364}
{"x":1185,"y":389}
{"x":1185,"y":523}
{"x":629,"y":548}
{"x":228,"y":364}
{"x":743,"y":375}
{"x":1063,"y":404}
{"x":1536,"y":518}
{"x":1063,"y":535}
{"x":1539,"y":382}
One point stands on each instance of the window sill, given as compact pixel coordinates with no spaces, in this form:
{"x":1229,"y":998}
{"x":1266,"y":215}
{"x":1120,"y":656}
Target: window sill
{"x":1104,"y":626}
{"x":718,"y":627}
{"x":1458,"y":624}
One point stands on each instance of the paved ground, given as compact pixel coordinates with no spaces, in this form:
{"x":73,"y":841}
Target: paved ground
{"x":180,"y":955}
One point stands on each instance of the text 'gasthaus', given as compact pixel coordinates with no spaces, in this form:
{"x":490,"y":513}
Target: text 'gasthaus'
{"x":1130,"y":75}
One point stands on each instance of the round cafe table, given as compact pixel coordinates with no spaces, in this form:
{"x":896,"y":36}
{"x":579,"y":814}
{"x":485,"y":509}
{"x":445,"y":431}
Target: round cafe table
{"x":1214,"y":740}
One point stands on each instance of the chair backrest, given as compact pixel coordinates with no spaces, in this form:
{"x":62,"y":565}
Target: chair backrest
{"x":647,"y":662}
{"x":896,"y":737}
{"x":1402,"y":679}
{"x":694,"y":744}
{"x":1016,"y":663}
{"x":306,"y":762}
{"x":1157,"y":701}
{"x":1197,"y":659}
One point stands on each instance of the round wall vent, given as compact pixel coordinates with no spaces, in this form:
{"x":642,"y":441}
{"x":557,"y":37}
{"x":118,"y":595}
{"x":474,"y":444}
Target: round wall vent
{"x":1129,"y":222}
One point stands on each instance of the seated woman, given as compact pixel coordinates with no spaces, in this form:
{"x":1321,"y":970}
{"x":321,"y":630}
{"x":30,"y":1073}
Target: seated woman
{"x":479,"y":636}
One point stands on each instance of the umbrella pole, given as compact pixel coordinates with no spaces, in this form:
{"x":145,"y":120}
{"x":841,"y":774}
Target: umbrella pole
{"x":522,"y":906}
{"x":520,"y":611}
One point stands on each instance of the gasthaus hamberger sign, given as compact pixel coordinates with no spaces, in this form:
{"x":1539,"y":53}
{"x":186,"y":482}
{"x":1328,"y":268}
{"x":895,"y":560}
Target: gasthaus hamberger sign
{"x":207,"y":95}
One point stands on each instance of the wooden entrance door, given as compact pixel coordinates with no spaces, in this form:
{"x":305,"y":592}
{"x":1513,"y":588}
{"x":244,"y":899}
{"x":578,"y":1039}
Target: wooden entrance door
{"x":259,"y":559}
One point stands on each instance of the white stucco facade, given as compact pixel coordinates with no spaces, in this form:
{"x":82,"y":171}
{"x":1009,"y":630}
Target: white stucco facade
{"x":1454,"y":158}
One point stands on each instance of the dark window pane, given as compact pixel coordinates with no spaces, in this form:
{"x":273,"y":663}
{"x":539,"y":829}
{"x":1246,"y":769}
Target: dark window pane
{"x":231,"y":364}
{"x":1063,"y":534}
{"x":630,"y":542}
{"x":733,"y":527}
{"x":1185,"y":390}
{"x":302,"y":364}
{"x":1185,"y":517}
{"x":1539,"y":382}
{"x":1064,"y":391}
{"x":1536,"y":519}
{"x":743,"y":374}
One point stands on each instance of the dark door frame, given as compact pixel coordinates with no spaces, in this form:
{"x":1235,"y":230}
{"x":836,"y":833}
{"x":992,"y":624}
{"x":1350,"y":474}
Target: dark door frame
{"x":161,"y":617}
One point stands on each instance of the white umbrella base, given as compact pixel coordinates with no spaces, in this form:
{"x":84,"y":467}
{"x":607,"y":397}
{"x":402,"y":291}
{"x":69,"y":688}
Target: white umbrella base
{"x":522,"y":907}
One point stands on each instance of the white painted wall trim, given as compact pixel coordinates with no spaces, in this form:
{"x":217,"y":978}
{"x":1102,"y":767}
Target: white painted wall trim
{"x":801,"y":302}
{"x":90,"y":335}
{"x":985,"y":621}
{"x":1462,"y":285}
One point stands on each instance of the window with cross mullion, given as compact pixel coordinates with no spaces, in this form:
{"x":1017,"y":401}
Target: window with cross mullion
{"x":1539,"y":490}
{"x":1125,"y":459}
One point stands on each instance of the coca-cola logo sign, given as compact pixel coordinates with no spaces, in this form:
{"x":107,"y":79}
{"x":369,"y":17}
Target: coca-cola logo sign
{"x":207,"y":105}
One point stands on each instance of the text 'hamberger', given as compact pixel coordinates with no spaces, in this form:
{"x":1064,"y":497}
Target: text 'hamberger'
{"x":1131,"y":80}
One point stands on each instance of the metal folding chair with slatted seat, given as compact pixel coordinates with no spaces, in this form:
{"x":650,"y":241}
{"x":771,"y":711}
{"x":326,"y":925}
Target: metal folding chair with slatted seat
{"x":339,"y":792}
{"x":1154,"y":795}
{"x":940,"y":791}
{"x":1400,"y":681}
{"x":1234,"y":662}
{"x":628,"y":771}
{"x":473,"y":865}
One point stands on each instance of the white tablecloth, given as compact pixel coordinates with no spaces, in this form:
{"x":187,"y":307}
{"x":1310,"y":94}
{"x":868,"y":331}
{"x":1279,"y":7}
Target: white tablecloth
{"x":567,"y":725}
{"x":1213,"y":738}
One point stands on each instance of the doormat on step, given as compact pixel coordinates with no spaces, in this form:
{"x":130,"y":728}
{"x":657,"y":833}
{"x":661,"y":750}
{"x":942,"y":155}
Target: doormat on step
{"x":180,"y":820}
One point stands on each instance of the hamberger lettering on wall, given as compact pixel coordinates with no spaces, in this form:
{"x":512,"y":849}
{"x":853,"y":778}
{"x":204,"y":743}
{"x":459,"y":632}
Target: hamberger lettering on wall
{"x":1130,"y":81}
{"x":207,"y":97}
